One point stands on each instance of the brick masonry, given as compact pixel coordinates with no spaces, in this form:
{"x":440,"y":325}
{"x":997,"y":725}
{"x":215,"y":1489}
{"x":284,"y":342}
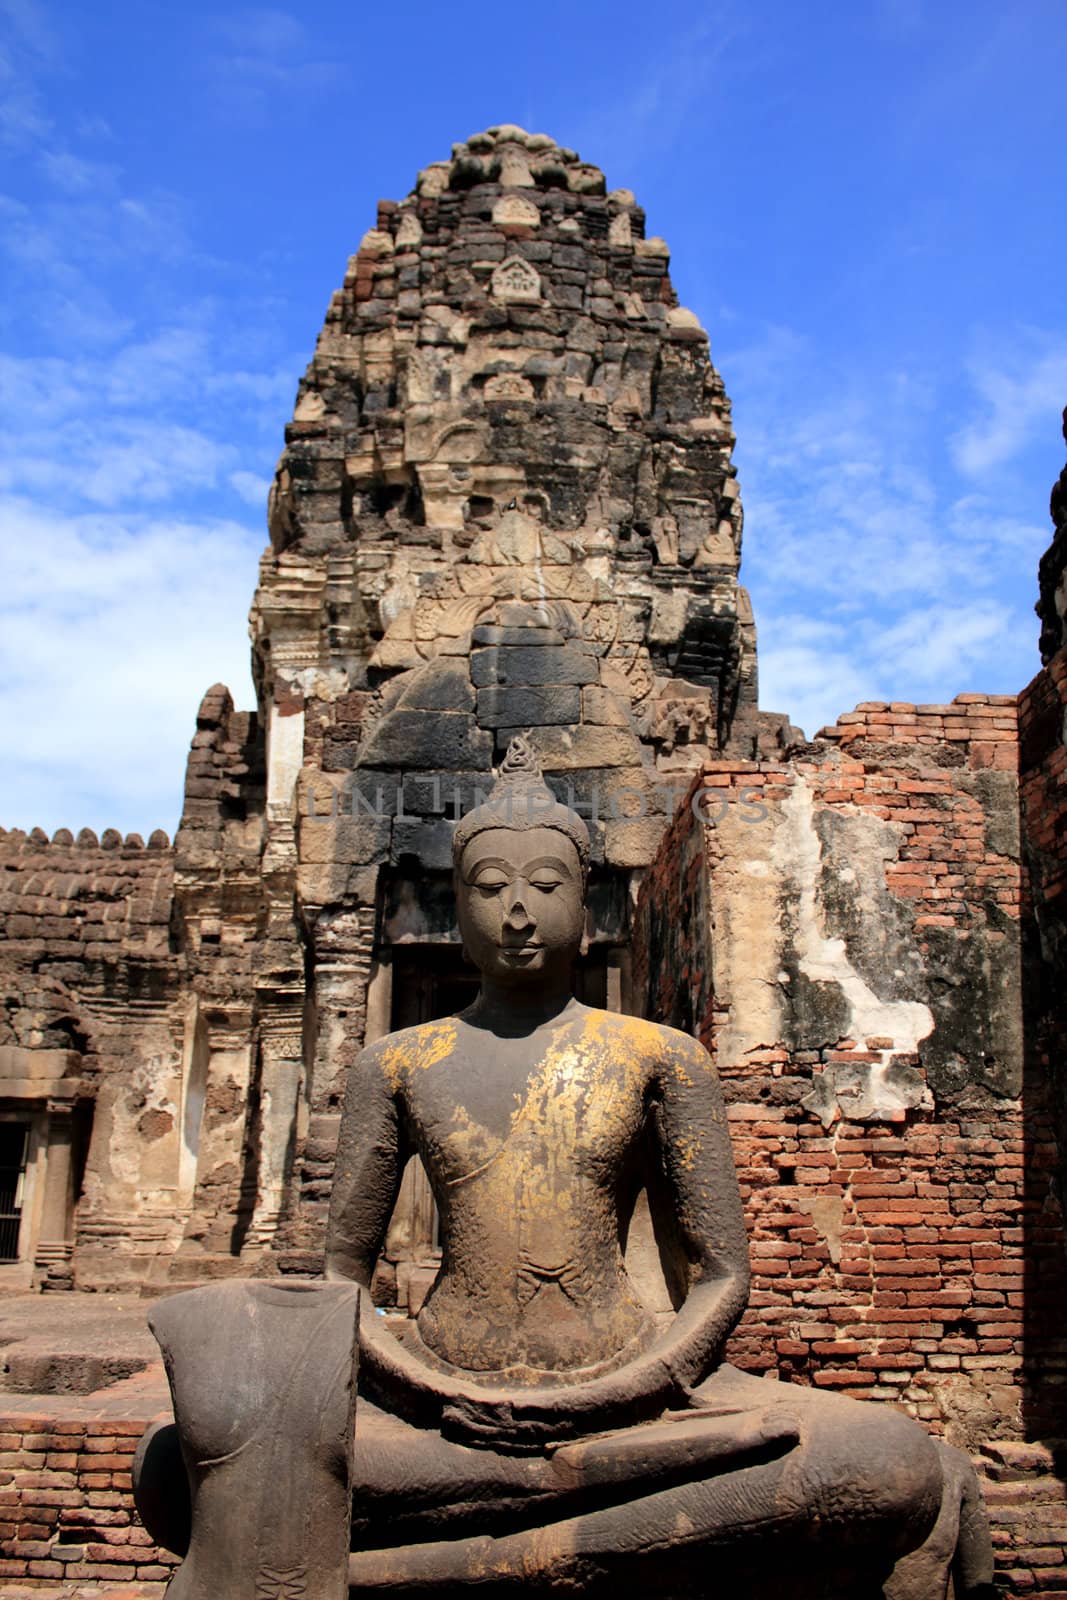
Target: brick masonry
{"x":66,"y":1508}
{"x":907,"y":1246}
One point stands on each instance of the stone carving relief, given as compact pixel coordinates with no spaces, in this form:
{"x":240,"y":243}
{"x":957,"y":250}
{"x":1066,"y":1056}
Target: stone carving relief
{"x":520,"y":541}
{"x":512,"y":208}
{"x":275,"y":1583}
{"x":508,"y":386}
{"x":426,"y":628}
{"x":619,"y":231}
{"x":680,"y":720}
{"x":515,"y":279}
{"x":515,"y":169}
{"x":409,"y":233}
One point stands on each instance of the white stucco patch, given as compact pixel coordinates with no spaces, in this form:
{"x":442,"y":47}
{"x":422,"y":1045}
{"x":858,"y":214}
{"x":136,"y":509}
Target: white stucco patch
{"x":899,"y":1025}
{"x":285,"y":756}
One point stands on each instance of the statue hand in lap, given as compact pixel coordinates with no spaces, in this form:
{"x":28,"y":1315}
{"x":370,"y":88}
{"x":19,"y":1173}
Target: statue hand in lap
{"x":535,"y":1425}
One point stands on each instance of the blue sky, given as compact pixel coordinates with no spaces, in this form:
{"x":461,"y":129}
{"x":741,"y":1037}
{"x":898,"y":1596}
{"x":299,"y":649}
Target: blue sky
{"x":864,"y":202}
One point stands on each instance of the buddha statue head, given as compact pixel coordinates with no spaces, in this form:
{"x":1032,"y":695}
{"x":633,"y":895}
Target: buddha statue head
{"x":521,"y":863}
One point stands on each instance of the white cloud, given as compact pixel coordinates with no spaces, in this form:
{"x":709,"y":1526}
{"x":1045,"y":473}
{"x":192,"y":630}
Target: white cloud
{"x":74,"y":176}
{"x":809,"y":682}
{"x":140,"y":412}
{"x":858,"y":513}
{"x":253,"y":490}
{"x":814,"y":670}
{"x":29,"y":40}
{"x":111,"y":460}
{"x":111,"y":629}
{"x":264,"y":51}
{"x":265,"y":33}
{"x":935,"y":642}
{"x":30,"y":27}
{"x":1020,"y":388}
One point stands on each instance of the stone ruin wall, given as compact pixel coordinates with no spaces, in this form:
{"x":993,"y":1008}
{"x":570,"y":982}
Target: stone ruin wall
{"x":847,"y":936}
{"x":90,"y":1040}
{"x":507,"y":501}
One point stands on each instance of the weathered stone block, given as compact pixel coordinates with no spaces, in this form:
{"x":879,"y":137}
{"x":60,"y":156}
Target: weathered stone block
{"x":429,"y":740}
{"x":513,"y":665}
{"x":633,"y":842}
{"x":352,"y":840}
{"x":367,"y":792}
{"x":560,"y":748}
{"x":431,"y":842}
{"x":430,"y":794}
{"x":443,"y":684}
{"x":608,"y":710}
{"x":613,"y":793}
{"x":528,"y":707}
{"x":527,"y":614}
{"x":488,"y":634}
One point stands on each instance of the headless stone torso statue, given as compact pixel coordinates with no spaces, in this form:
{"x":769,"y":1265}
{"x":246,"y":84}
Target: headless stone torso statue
{"x":535,"y":1426}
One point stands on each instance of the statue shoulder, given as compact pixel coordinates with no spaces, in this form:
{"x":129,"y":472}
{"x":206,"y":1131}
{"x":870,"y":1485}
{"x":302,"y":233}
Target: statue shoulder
{"x":655,"y":1041}
{"x":395,"y":1055}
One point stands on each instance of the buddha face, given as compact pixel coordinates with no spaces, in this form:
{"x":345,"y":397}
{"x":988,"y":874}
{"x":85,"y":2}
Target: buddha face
{"x":520,"y":898}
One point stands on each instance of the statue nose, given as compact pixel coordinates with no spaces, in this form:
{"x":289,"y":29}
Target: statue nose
{"x":516,"y":915}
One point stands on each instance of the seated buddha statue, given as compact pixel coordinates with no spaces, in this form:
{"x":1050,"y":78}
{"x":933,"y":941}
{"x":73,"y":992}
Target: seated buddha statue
{"x":535,"y":1426}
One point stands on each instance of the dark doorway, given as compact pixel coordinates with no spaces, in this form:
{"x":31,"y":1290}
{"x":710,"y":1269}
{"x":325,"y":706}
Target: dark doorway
{"x":431,"y":981}
{"x":14,"y":1143}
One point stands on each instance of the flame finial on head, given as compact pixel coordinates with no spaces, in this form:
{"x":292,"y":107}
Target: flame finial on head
{"x":519,"y":799}
{"x":520,"y":761}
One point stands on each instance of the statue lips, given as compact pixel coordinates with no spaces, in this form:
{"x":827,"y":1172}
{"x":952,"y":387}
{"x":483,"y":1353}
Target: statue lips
{"x":526,"y":949}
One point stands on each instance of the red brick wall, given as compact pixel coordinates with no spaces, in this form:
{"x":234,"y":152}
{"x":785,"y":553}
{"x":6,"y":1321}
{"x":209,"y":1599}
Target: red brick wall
{"x":920,"y":1262}
{"x":66,"y":1506}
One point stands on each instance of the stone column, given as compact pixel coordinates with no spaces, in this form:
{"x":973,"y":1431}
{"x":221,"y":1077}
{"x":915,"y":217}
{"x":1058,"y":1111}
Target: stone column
{"x":281,"y":1080}
{"x":52,"y":1268}
{"x":223,"y":1197}
{"x":342,"y":943}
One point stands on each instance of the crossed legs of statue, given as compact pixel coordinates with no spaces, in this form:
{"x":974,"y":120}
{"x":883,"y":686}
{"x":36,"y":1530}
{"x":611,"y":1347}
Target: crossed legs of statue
{"x":779,"y":1489}
{"x":759,"y":1488}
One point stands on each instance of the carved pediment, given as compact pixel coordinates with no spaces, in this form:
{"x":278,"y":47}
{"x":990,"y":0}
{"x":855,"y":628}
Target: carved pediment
{"x":515,"y":279}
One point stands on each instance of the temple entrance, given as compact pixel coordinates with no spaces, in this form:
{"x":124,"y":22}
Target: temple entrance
{"x":14,"y":1147}
{"x":431,"y":982}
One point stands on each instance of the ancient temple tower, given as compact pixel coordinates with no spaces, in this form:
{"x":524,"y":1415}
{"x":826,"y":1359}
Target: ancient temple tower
{"x":506,"y":502}
{"x":507,"y":405}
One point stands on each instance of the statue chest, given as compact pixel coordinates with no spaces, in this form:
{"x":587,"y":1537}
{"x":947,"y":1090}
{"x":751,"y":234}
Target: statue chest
{"x":566,"y":1120}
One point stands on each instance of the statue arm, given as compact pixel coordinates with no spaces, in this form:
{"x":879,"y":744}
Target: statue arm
{"x":372,"y":1151}
{"x":371,"y":1155}
{"x":697,"y":1185}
